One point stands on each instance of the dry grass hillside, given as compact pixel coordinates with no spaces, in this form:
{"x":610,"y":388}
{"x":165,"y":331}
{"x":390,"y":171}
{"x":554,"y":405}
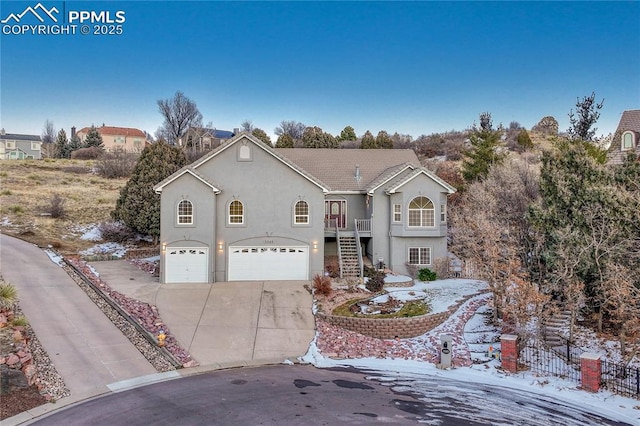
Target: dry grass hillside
{"x":27,"y":191}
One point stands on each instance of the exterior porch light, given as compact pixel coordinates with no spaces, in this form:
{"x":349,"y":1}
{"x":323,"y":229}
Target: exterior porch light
{"x":315,"y":245}
{"x":220,"y":246}
{"x":164,"y":246}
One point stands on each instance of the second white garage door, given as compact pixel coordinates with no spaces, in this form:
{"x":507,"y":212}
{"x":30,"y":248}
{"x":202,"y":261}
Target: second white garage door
{"x":268,"y":263}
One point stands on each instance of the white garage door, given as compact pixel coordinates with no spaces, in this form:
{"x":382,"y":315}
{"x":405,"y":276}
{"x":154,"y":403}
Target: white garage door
{"x":268,"y":263}
{"x":187,"y":265}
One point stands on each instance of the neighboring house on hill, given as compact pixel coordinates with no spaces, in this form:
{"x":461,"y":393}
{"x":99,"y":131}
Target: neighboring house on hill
{"x":626,"y":139}
{"x":204,"y":139}
{"x":118,"y":138}
{"x":15,"y":146}
{"x":247,"y":211}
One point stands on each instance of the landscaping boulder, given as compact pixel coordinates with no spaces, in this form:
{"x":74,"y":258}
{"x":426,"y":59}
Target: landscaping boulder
{"x":11,"y":379}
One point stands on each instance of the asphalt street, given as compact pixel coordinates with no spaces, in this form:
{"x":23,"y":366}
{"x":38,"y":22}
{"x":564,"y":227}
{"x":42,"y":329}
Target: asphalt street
{"x":300,"y":394}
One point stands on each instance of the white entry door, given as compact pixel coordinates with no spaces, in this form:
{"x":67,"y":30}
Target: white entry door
{"x":268,"y":263}
{"x":187,"y":265}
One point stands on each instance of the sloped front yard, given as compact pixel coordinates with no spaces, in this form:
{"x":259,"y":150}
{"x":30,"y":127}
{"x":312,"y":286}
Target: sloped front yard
{"x":442,"y":297}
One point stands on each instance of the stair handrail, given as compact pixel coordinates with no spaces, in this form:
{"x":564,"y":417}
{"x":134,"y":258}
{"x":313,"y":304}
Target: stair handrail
{"x":339,"y":248}
{"x":359,"y":250}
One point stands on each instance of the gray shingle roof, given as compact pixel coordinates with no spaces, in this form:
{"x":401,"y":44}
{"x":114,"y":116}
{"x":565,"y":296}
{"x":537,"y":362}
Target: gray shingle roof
{"x":336,"y":168}
{"x":629,"y":121}
{"x":19,"y":137}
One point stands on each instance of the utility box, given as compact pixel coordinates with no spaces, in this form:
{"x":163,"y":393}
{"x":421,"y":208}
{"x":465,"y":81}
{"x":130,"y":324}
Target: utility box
{"x":446,"y":351}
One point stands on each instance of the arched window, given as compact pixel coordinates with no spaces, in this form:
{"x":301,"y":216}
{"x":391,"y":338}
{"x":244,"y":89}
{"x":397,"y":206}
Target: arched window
{"x":628,"y":141}
{"x":185,"y":212}
{"x":236,"y":212}
{"x":421,"y":212}
{"x":301,"y":213}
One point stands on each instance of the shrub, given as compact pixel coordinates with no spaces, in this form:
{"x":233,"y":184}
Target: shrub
{"x":56,"y":207}
{"x":375,"y":283}
{"x":6,"y":192}
{"x":332,"y":266}
{"x":114,"y":165}
{"x":20,"y":321}
{"x":322,"y":285}
{"x":426,"y":274}
{"x":76,"y":169}
{"x":116,"y":232}
{"x":8,"y":296}
{"x":15,"y":209}
{"x":90,"y":153}
{"x":412,"y":269}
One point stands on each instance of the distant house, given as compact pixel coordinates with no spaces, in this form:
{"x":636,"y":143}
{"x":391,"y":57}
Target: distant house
{"x":626,"y":139}
{"x":118,"y":138}
{"x":247,"y":211}
{"x":204,"y":139}
{"x":15,"y":146}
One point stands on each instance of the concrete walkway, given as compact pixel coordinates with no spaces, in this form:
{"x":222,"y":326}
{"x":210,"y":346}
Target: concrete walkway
{"x":88,"y":351}
{"x":227,"y":322}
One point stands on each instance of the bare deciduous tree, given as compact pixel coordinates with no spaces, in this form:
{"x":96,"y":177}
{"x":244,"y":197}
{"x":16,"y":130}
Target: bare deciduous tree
{"x":179,"y":114}
{"x":295,"y":129}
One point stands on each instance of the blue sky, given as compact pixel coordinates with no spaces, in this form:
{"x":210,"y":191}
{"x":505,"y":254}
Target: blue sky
{"x":411,"y":67}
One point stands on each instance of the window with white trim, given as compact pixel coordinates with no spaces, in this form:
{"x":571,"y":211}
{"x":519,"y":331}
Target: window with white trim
{"x":397,"y":212}
{"x":11,"y":145}
{"x":236,"y":213}
{"x":628,"y":141}
{"x":443,"y":213}
{"x":421,"y":213}
{"x":185,"y":213}
{"x":301,"y":213}
{"x":420,"y":255}
{"x":35,"y":146}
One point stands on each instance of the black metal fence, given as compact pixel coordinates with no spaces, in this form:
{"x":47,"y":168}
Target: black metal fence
{"x":620,"y":379}
{"x":561,"y":361}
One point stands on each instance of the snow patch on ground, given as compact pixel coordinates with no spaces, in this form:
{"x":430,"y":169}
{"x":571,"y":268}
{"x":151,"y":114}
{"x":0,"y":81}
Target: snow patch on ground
{"x":441,"y":294}
{"x":91,"y":233}
{"x":114,"y":249}
{"x":54,"y":257}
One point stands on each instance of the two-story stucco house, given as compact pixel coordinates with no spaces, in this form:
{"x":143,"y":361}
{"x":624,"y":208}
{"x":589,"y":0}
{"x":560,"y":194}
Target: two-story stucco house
{"x":118,"y":138}
{"x":247,"y":211}
{"x":626,"y":139}
{"x":15,"y":146}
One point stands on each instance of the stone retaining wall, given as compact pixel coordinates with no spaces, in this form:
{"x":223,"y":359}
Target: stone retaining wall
{"x":391,"y":328}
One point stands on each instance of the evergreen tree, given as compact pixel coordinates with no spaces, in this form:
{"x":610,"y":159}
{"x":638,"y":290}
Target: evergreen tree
{"x":485,"y":150}
{"x":93,"y":139}
{"x":368,"y":141}
{"x":315,"y":137}
{"x":284,"y":141}
{"x":74,"y":144}
{"x":383,"y":140}
{"x":62,"y":145}
{"x":138,"y":206}
{"x":262,"y":135}
{"x":347,"y":134}
{"x":587,"y":113}
{"x":524,"y":140}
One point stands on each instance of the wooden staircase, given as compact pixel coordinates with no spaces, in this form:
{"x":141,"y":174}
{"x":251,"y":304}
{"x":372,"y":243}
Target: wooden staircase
{"x":348,"y":256}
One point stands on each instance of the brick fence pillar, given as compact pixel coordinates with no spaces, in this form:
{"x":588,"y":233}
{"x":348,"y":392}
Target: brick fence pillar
{"x":509,"y":352}
{"x":590,"y":371}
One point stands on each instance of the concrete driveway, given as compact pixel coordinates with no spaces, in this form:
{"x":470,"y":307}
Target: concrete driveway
{"x":225,"y":322}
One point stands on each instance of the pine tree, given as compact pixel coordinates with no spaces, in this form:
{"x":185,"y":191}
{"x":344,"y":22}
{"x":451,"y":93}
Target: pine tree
{"x":74,"y":144}
{"x":315,"y":137}
{"x":62,"y":145}
{"x":485,"y":150}
{"x":588,"y":112}
{"x":524,"y":140}
{"x":284,"y":141}
{"x":383,"y":140}
{"x":138,"y":206}
{"x":93,"y":139}
{"x":262,"y":135}
{"x":347,"y":134}
{"x":368,"y":141}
